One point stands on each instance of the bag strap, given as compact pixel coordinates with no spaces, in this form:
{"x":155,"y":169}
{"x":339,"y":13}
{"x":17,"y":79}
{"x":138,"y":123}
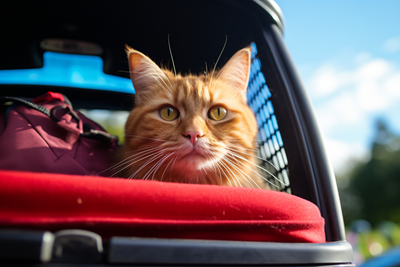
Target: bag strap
{"x":88,"y":131}
{"x":44,"y":110}
{"x":50,"y":113}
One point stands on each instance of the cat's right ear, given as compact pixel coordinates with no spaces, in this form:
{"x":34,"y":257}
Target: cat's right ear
{"x":237,"y":71}
{"x":143,"y":70}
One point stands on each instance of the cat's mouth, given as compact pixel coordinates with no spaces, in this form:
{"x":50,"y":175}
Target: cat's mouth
{"x":191,"y":160}
{"x":194,"y":153}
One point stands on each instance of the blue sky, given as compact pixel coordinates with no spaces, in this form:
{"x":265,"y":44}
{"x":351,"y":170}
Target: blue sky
{"x":348,"y":55}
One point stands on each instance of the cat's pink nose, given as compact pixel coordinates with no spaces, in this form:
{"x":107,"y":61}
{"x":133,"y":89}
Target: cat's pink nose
{"x":193,"y":136}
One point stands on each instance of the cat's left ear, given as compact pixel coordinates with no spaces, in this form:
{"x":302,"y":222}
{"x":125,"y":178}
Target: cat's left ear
{"x":237,"y":71}
{"x":143,"y":71}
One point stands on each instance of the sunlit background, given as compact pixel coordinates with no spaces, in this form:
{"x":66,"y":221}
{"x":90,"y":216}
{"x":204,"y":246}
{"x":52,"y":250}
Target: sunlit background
{"x":348,"y":56}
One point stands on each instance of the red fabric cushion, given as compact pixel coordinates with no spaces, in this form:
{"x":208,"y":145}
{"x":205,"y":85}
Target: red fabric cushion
{"x":119,"y":207}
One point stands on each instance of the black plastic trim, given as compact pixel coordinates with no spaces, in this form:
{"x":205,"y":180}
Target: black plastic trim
{"x":159,"y":265}
{"x":25,"y":246}
{"x":80,"y":97}
{"x":273,"y":10}
{"x":315,"y":160}
{"x":124,"y":250}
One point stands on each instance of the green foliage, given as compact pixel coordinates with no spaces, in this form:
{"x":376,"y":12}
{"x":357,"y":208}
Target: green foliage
{"x":112,"y":121}
{"x":373,"y":192}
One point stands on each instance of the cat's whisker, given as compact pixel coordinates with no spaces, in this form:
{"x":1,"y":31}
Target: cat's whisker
{"x":138,"y":136}
{"x":139,"y":150}
{"x":147,"y":174}
{"x":144,"y":165}
{"x":215,"y":66}
{"x":237,"y":155}
{"x":201,"y":170}
{"x":173,"y":164}
{"x":255,"y":140}
{"x":237,"y":167}
{"x":219,"y":172}
{"x":146,"y":82}
{"x":248,"y":149}
{"x":159,"y":83}
{"x":251,"y":150}
{"x":229,"y":163}
{"x":154,"y":156}
{"x":160,"y":164}
{"x":154,"y":167}
{"x":237,"y":161}
{"x":161,"y":158}
{"x":124,"y":71}
{"x":215,"y":83}
{"x":220,"y":176}
{"x":169,"y":81}
{"x":170,"y":85}
{"x":226,"y":176}
{"x":209,"y":158}
{"x":249,"y":180}
{"x":172,"y":58}
{"x":126,"y":161}
{"x":229,"y":170}
{"x":206,"y":72}
{"x":122,"y":162}
{"x":232,"y":149}
{"x":137,"y":160}
{"x":160,"y":78}
{"x":258,"y":166}
{"x":205,"y":171}
{"x":215,"y":166}
{"x":167,"y":166}
{"x":264,"y":178}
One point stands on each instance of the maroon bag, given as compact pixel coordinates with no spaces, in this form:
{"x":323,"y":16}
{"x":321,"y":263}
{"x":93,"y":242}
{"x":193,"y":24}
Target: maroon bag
{"x":47,"y":135}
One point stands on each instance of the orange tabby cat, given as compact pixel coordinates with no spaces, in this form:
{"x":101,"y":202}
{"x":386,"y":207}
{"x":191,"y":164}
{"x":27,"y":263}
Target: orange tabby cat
{"x":190,"y":129}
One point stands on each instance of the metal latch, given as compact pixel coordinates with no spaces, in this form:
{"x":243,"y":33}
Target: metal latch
{"x":77,"y":246}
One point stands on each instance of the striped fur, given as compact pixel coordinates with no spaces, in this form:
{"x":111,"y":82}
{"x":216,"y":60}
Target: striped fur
{"x":159,"y":150}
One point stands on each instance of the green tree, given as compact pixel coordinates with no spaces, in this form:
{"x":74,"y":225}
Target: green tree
{"x":373,"y":192}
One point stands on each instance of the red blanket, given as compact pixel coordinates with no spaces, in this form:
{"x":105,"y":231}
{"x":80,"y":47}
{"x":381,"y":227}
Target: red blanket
{"x":119,"y":207}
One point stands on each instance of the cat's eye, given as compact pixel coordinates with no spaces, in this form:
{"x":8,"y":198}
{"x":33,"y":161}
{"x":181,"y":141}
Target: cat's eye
{"x":217,"y":113}
{"x":169,"y":113}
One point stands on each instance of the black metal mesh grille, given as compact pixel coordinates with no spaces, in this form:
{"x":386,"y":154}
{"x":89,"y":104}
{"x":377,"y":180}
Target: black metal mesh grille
{"x":270,"y":146}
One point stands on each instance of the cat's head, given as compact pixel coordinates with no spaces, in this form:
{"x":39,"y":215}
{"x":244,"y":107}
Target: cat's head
{"x":189,"y":128}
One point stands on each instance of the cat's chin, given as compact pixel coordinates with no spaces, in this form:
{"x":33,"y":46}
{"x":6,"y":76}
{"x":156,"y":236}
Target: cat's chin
{"x":192,"y":162}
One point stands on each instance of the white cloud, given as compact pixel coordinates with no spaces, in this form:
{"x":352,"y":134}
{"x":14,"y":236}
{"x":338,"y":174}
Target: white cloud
{"x":342,"y":154}
{"x":337,"y":112}
{"x":392,"y":45}
{"x":328,"y":79}
{"x":362,"y":58}
{"x":369,"y":82}
{"x":392,"y":85}
{"x":372,"y":70}
{"x":348,"y":98}
{"x":372,"y":86}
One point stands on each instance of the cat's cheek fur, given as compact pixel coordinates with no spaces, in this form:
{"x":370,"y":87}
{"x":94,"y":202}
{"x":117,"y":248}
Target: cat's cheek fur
{"x":161,"y":150}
